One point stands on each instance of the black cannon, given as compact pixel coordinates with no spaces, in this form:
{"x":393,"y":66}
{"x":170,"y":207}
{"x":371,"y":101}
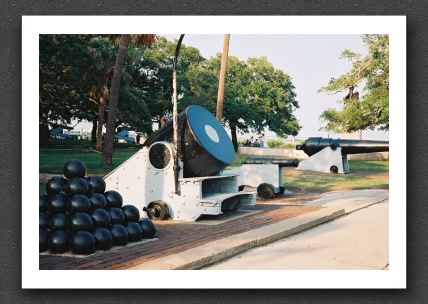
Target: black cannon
{"x":349,"y":146}
{"x":203,"y":144}
{"x":277,"y":161}
{"x":324,"y":151}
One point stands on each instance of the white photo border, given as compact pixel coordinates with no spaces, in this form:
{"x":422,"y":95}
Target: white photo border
{"x":394,"y":277}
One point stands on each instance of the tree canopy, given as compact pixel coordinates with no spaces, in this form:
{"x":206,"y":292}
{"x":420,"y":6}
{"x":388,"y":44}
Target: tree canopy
{"x":76,"y":71}
{"x":256,"y":95}
{"x":154,"y":75}
{"x":370,"y":109}
{"x":66,"y":78}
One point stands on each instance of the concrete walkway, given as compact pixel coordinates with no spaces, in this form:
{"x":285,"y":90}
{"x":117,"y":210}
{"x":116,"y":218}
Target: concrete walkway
{"x":355,"y":241}
{"x":335,"y":204}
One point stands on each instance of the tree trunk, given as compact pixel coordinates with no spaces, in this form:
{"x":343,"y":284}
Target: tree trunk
{"x":101,"y":107}
{"x":234,"y":137}
{"x":94,"y":131}
{"x":114,"y":100}
{"x":222,"y":76}
{"x":43,"y":135}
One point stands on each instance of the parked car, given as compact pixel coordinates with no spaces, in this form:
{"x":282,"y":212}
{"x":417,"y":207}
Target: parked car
{"x":124,"y":136}
{"x":58,"y":133}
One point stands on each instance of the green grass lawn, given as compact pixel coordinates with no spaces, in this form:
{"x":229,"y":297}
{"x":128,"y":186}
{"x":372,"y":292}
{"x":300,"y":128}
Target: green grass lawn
{"x":52,"y":160}
{"x":364,"y":174}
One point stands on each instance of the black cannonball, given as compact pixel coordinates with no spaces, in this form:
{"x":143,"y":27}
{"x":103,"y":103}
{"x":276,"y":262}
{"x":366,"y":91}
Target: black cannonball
{"x":114,"y":199}
{"x":120,"y":235}
{"x":43,"y":220}
{"x":79,"y":221}
{"x":55,"y":185}
{"x":96,"y":184}
{"x":135,"y":233}
{"x":74,"y":168}
{"x":43,"y":240}
{"x":148,"y":228}
{"x":101,"y":218}
{"x":57,"y":203}
{"x":97,"y":200}
{"x":58,"y":242}
{"x":79,"y":203}
{"x":43,"y":203}
{"x":131,"y":213}
{"x":58,"y":222}
{"x":117,"y":216}
{"x":103,"y":239}
{"x":76,"y":185}
{"x":82,"y":242}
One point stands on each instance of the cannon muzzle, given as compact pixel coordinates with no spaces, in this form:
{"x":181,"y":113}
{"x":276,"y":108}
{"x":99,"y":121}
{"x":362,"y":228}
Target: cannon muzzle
{"x":313,"y":145}
{"x":203,"y":144}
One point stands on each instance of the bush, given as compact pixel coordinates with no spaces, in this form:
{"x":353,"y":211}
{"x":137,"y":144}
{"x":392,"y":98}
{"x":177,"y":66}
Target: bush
{"x":277,"y":143}
{"x":291,"y":145}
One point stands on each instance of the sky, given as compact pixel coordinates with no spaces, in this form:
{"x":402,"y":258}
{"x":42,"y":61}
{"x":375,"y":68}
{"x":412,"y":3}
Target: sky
{"x":310,"y":60}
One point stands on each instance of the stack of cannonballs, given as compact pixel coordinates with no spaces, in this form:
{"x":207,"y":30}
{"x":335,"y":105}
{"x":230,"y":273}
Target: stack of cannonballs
{"x":78,"y":215}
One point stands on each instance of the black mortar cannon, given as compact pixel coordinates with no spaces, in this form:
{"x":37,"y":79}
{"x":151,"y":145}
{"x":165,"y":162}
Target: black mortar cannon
{"x":314,"y":145}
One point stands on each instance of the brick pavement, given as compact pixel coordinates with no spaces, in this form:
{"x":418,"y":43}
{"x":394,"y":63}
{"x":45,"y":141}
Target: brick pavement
{"x":176,"y":237}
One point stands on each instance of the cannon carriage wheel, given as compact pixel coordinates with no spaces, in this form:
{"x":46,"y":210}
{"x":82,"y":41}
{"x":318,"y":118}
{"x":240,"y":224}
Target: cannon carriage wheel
{"x":157,"y":210}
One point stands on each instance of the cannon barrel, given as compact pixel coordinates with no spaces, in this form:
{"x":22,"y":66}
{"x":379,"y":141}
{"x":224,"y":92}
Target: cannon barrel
{"x":349,"y":146}
{"x":203,"y":144}
{"x":276,"y":161}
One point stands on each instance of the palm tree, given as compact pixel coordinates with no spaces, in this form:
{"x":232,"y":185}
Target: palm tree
{"x":101,"y":108}
{"x":145,"y":40}
{"x":104,"y":56}
{"x":220,"y":95}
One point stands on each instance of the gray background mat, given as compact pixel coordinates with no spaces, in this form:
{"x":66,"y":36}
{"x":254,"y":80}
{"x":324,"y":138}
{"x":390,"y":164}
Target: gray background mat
{"x":10,"y":130}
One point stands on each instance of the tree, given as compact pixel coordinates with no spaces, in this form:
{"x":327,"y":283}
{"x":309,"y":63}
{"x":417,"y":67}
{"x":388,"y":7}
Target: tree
{"x":75,"y":76}
{"x":256,"y":95}
{"x":114,"y":99}
{"x":154,"y":75}
{"x":222,"y":76}
{"x":369,"y":110}
{"x":272,"y":98}
{"x":104,"y":56}
{"x":64,"y":81}
{"x":115,"y":90}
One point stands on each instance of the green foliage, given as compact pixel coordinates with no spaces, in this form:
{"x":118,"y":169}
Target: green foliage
{"x":272,"y":98}
{"x":154,"y":75}
{"x":65,"y":77}
{"x":371,"y":110}
{"x":275,"y":143}
{"x":256,"y":94}
{"x":76,"y":70}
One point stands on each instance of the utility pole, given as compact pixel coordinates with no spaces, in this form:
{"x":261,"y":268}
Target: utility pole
{"x":220,"y":95}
